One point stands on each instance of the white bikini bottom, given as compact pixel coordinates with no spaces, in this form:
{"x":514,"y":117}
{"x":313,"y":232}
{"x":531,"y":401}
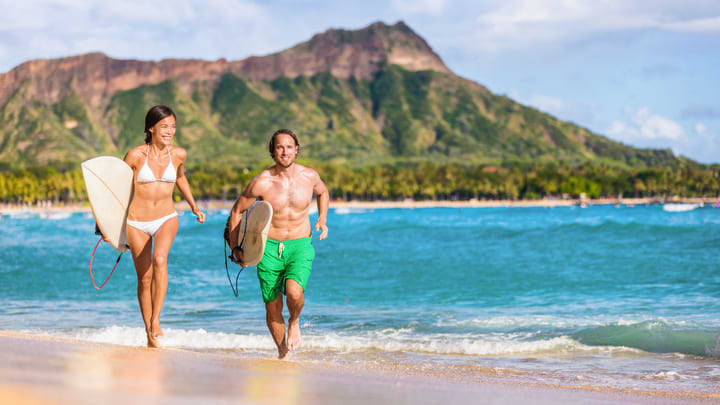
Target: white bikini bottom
{"x":151,"y":227}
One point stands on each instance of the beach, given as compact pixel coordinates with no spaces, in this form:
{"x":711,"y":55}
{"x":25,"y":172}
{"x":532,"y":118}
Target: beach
{"x":49,"y":370}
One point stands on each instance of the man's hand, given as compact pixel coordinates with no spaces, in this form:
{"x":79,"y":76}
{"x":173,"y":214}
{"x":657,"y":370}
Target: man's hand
{"x":236,"y":256}
{"x":321,"y":226}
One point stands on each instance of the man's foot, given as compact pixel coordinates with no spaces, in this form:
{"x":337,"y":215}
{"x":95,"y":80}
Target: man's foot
{"x":155,"y":329}
{"x":283,"y":352}
{"x":293,"y":338}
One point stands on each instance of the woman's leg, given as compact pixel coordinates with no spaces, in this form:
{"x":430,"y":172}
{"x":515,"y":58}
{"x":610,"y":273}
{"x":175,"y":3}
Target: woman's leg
{"x":141,"y":248}
{"x":163,"y":240}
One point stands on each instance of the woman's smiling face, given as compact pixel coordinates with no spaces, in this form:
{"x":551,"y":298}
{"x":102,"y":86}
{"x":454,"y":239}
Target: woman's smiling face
{"x":164,"y":130}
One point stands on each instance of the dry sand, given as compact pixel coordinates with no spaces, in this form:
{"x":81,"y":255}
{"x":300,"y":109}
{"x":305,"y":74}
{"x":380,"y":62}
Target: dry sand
{"x":45,"y":370}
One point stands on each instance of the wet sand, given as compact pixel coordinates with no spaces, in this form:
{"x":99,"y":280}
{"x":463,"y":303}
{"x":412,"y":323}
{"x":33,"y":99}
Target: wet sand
{"x":46,"y":370}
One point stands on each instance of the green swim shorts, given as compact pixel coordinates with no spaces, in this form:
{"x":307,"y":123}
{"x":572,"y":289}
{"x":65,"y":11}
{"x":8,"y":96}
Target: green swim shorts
{"x":288,"y":259}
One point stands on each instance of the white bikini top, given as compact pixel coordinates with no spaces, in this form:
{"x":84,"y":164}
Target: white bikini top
{"x":145,"y":175}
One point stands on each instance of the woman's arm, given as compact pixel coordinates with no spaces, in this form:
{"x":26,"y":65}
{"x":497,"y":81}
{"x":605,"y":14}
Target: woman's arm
{"x":184,"y":186}
{"x":130,"y":158}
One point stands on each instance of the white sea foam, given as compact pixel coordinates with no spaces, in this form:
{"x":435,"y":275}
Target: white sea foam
{"x":347,"y":210}
{"x":557,"y":322}
{"x":666,"y":376}
{"x":390,"y":340}
{"x":503,"y":322}
{"x":195,"y":339}
{"x":22,"y":215}
{"x":440,"y":344}
{"x":714,"y":372}
{"x":54,"y":216}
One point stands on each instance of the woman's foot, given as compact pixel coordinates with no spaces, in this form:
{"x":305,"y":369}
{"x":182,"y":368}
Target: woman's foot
{"x":155,"y":329}
{"x":152,"y":341}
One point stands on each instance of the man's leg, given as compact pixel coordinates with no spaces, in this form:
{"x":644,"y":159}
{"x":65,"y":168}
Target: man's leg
{"x":276,"y":324}
{"x":295,"y":303}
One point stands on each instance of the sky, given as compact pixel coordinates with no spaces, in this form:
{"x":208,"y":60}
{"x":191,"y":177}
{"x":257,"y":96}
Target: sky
{"x":643,"y":72}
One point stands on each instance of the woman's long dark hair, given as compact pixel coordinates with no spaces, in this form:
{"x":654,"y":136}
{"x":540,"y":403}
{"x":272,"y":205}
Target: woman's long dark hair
{"x":154,"y":115}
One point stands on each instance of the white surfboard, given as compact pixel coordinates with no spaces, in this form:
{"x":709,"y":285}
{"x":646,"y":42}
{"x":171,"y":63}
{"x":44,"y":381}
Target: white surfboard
{"x":109,"y":184}
{"x":253,"y":231}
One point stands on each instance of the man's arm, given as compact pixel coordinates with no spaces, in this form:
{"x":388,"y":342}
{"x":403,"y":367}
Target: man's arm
{"x":246,"y":199}
{"x":323,"y":203}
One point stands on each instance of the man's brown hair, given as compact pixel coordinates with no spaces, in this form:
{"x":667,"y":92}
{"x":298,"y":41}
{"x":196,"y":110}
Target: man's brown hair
{"x":271,"y":145}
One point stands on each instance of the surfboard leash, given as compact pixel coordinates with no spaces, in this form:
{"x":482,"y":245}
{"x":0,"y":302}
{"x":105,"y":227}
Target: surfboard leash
{"x":235,"y":288}
{"x":92,"y":278}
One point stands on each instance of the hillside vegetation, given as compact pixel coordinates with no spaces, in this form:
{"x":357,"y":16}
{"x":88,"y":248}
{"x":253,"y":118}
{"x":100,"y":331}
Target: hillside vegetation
{"x":397,"y":116}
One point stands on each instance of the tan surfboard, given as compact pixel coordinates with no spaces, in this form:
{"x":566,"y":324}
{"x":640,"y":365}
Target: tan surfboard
{"x":109,"y":184}
{"x":253,"y":231}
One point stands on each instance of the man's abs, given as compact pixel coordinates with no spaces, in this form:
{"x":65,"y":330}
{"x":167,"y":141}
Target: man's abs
{"x":287,"y":227}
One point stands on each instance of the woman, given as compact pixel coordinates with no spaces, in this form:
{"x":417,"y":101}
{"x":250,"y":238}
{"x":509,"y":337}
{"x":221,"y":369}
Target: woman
{"x":157,"y":167}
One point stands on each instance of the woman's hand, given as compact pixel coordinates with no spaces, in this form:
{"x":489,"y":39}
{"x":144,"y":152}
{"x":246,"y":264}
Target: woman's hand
{"x":97,"y":232}
{"x":199,"y":214}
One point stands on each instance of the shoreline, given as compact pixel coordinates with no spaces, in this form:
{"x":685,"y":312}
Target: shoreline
{"x":213,"y":205}
{"x":47,"y":369}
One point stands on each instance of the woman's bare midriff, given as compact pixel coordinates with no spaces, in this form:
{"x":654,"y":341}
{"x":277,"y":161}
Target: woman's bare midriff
{"x":151,"y":201}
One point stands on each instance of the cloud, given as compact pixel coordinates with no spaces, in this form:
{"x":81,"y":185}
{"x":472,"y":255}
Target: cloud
{"x":432,"y":7}
{"x":708,"y":25}
{"x":212,"y":29}
{"x":523,"y":23}
{"x":646,"y":129}
{"x":552,"y":105}
{"x":701,"y":129}
{"x":705,"y":144}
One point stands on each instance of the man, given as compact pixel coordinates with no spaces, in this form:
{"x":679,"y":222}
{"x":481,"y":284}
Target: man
{"x":286,"y":264}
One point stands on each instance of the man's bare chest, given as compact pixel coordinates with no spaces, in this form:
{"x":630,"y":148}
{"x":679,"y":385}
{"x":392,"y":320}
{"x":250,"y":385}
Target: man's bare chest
{"x":290,"y":193}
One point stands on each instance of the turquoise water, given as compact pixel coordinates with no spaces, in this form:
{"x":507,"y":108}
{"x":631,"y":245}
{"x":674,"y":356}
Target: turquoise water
{"x":617,"y":296}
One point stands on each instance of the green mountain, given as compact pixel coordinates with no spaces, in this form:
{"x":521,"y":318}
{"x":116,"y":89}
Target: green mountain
{"x":371,"y":96}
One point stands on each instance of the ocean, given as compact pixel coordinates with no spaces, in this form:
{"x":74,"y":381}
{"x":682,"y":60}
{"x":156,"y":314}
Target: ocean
{"x":622,"y":297}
